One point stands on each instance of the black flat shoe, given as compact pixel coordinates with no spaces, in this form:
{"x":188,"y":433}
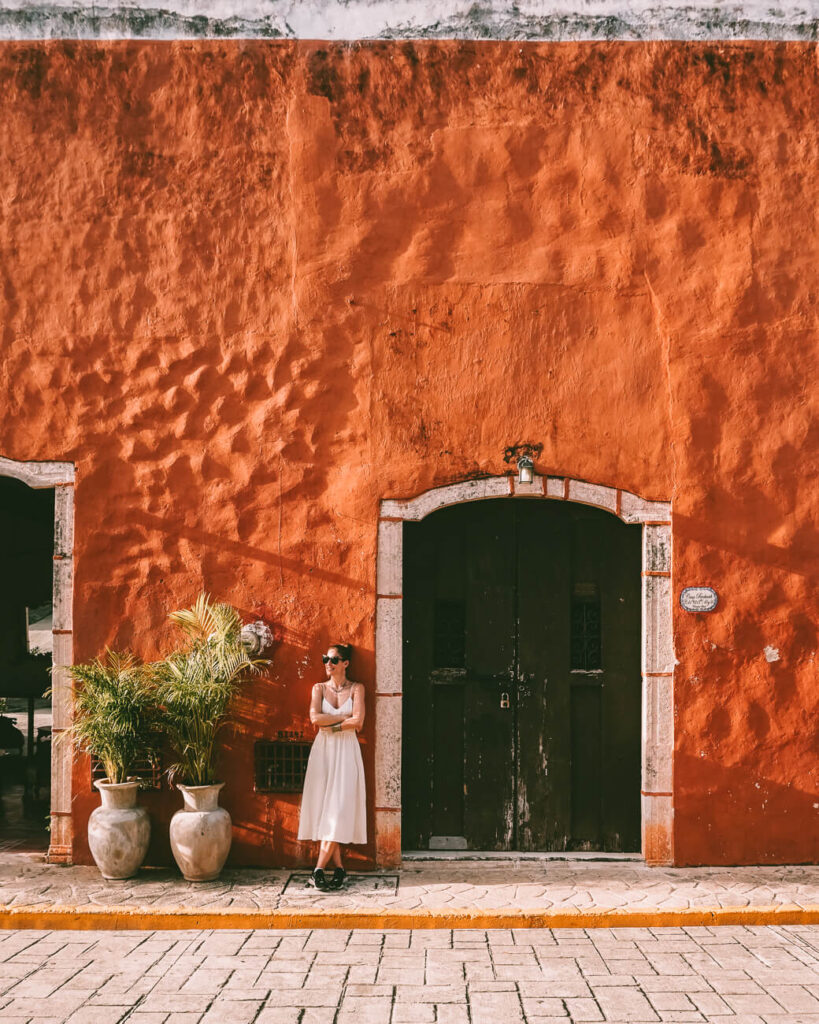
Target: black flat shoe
{"x":320,"y":879}
{"x":337,"y":880}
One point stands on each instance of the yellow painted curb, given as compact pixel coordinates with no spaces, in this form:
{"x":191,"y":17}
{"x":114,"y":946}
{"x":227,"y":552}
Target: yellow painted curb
{"x":177,"y":918}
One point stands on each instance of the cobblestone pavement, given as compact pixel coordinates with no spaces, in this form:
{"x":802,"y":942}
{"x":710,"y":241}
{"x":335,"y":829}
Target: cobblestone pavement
{"x":510,"y":885}
{"x":726,"y":975}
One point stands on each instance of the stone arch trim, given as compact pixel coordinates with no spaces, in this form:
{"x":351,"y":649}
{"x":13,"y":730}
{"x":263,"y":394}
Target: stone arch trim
{"x":657,"y":651}
{"x":60,"y":477}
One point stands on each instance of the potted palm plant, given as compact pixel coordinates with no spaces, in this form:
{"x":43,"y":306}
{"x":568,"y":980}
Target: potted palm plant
{"x":114,"y":722}
{"x":197,"y":684}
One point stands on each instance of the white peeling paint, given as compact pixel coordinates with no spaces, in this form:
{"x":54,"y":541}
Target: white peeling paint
{"x":771,"y":653}
{"x":409,"y":19}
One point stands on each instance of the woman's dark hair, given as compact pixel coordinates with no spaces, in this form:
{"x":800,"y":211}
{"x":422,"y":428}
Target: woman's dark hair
{"x":344,"y":650}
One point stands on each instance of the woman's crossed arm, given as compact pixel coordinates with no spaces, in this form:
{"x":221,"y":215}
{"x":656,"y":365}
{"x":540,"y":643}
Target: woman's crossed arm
{"x":317,"y":716}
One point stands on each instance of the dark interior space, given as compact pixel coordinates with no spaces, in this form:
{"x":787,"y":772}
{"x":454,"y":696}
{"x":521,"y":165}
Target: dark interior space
{"x":26,"y":553}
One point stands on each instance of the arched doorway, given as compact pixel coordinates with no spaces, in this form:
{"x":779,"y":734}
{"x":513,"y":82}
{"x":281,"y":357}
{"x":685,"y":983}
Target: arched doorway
{"x":47,"y":521}
{"x":655,"y":629}
{"x":521,"y":709}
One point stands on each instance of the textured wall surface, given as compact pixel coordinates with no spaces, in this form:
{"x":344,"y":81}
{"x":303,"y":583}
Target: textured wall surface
{"x":409,"y":19}
{"x":250,"y":289}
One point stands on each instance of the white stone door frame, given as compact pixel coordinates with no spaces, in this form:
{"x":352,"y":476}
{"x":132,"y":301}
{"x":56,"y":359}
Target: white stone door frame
{"x":657,"y":649}
{"x":60,"y":477}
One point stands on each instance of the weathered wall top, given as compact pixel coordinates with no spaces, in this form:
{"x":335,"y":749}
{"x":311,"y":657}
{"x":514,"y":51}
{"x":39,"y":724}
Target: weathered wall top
{"x":409,"y":19}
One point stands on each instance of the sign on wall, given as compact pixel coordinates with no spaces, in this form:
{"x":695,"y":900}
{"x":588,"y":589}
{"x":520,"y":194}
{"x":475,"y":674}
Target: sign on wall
{"x":698,"y":599}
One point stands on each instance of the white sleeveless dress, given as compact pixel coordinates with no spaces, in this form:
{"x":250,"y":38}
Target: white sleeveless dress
{"x":333,"y":803}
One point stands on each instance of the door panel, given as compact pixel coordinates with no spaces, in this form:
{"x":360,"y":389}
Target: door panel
{"x":448,"y":756}
{"x":489,"y":781}
{"x":534,"y":604}
{"x":544,"y":778}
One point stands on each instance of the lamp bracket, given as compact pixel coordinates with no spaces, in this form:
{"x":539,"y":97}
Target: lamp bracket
{"x":515,"y":451}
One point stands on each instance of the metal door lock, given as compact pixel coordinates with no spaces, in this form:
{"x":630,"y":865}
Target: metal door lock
{"x":504,"y":700}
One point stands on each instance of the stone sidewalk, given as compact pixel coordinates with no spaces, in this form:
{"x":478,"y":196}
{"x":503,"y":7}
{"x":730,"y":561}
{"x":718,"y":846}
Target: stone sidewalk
{"x":432,"y":893}
{"x":625,"y":976}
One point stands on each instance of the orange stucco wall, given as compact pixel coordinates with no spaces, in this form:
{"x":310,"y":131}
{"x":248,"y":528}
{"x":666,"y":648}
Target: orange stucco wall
{"x":252,"y":288}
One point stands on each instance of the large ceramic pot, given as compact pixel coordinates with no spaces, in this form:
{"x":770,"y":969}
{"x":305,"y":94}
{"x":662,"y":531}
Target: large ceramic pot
{"x":200,"y":833}
{"x":118,"y":831}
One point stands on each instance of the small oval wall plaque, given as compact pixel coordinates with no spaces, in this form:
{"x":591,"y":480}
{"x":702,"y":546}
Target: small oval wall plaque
{"x":699,"y":599}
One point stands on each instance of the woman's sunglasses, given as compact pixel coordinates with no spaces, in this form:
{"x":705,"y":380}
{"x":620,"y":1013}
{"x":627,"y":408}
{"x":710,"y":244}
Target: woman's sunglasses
{"x":333,"y":660}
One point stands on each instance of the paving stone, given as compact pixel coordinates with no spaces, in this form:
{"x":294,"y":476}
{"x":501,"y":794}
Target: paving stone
{"x":682,"y":1016}
{"x":304,"y":997}
{"x":674,"y":983}
{"x":281,"y":1015}
{"x":733,"y":983}
{"x":394,"y":976}
{"x":491,"y":1007}
{"x":543,"y":1007}
{"x":115,"y":999}
{"x":452,"y":1013}
{"x":586,"y":1009}
{"x":794,"y":998}
{"x":371,"y":991}
{"x":362,"y":974}
{"x":671,"y":1001}
{"x":625,"y":1004}
{"x":362,"y":1010}
{"x":511,"y":972}
{"x":187,"y":1002}
{"x":430,"y":993}
{"x":708,"y":1003}
{"x":409,"y":1013}
{"x":563,"y":988}
{"x":759,"y":1004}
{"x":604,"y":980}
{"x":277,"y":979}
{"x":101,"y":1015}
{"x":235,"y":1011}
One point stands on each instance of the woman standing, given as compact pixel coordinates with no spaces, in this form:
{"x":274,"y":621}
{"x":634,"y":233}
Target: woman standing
{"x":333,"y":804}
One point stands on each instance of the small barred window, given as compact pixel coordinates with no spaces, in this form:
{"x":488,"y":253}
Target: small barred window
{"x":281,"y":765}
{"x":586,"y":653}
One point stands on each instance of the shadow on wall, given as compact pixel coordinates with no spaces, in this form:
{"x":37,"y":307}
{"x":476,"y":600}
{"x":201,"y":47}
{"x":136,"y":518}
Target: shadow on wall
{"x":742,"y":527}
{"x":177,"y":528}
{"x":712,"y":802}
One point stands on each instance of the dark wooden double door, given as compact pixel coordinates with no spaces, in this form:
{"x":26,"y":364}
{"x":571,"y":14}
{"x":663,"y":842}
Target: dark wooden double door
{"x":522,"y":679}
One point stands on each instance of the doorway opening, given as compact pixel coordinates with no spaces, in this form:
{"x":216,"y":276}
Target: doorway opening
{"x":26,"y":550}
{"x":656,"y":643}
{"x":522,"y":683}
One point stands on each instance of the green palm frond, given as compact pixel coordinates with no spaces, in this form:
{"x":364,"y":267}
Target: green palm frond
{"x":198,"y":683}
{"x":114,"y":711}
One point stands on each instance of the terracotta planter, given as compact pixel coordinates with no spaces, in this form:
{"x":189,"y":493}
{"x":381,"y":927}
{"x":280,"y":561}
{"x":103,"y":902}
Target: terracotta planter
{"x":118,"y":830}
{"x":200,"y":833}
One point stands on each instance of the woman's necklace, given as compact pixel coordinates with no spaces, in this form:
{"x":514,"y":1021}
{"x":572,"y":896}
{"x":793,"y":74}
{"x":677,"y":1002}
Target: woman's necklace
{"x":338,"y":689}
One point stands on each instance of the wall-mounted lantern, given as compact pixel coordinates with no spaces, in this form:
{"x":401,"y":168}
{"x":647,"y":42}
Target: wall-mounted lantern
{"x":526,"y":470}
{"x":257,"y":637}
{"x":523,"y":455}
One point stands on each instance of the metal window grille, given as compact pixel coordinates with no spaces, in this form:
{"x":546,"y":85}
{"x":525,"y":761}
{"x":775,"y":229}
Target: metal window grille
{"x":449,"y":643}
{"x":586,"y":651}
{"x":147,"y":770}
{"x":281,"y":765}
